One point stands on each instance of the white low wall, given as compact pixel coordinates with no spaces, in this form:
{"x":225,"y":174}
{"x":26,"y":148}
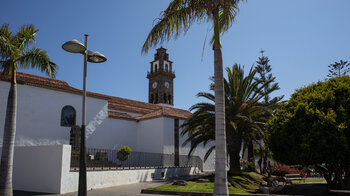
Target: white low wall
{"x":103,"y":179}
{"x":39,"y":168}
{"x":46,"y":169}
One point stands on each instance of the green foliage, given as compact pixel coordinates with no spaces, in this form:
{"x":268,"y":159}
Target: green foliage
{"x":313,"y":127}
{"x":181,"y":14}
{"x":264,"y":69}
{"x":16,"y":51}
{"x":338,"y":69}
{"x":243,"y":110}
{"x":245,"y":183}
{"x":123,"y":153}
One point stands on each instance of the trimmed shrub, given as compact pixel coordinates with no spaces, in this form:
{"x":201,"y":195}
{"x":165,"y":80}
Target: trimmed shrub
{"x":281,"y":170}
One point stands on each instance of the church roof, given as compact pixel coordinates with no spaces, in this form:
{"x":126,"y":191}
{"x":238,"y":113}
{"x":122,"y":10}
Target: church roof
{"x":117,"y":107}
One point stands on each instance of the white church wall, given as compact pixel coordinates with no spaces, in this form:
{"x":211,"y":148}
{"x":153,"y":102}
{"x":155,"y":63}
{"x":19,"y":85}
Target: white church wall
{"x":39,"y":114}
{"x":114,"y":133}
{"x":168,"y":136}
{"x":200,"y":151}
{"x":149,"y":135}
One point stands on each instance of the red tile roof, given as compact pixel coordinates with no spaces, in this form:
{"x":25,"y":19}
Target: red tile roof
{"x":118,"y":107}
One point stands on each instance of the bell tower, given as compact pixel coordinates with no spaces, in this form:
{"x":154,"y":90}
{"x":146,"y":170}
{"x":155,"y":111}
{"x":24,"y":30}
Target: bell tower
{"x":161,"y":77}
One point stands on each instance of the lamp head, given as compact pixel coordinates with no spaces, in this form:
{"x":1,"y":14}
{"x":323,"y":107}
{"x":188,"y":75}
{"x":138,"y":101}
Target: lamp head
{"x":74,"y":46}
{"x":95,"y":57}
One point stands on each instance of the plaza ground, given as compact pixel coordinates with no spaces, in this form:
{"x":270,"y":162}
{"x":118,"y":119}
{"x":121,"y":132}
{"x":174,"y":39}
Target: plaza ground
{"x":313,"y":189}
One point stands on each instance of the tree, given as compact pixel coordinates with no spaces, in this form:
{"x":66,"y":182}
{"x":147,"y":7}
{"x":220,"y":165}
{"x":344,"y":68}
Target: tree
{"x":264,"y":69}
{"x":177,"y":18}
{"x":16,"y":51}
{"x":313,"y":128}
{"x":123,"y":154}
{"x":338,"y":69}
{"x":241,"y":109}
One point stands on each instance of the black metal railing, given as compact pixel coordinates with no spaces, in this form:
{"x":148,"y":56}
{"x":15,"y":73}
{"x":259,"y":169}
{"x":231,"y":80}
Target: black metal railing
{"x":108,"y":158}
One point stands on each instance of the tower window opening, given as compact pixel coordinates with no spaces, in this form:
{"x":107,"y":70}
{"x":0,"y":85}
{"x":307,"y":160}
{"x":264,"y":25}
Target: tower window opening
{"x":156,"y":98}
{"x":169,"y":99}
{"x":165,"y":98}
{"x":152,"y":98}
{"x":166,"y":67}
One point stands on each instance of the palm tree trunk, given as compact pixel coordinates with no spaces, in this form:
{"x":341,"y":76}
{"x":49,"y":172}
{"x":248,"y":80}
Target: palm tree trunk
{"x":234,"y":150}
{"x":6,"y":166}
{"x":220,"y":185}
{"x":251,"y":157}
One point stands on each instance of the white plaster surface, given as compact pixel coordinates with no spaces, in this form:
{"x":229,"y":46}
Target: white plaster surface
{"x":39,"y":114}
{"x":39,"y":168}
{"x":149,"y":135}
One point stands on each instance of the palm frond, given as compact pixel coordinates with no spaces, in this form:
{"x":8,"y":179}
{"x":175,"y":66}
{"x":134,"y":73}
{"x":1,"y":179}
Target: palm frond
{"x":25,"y":36}
{"x":6,"y":47}
{"x":176,"y":19}
{"x":38,"y":59}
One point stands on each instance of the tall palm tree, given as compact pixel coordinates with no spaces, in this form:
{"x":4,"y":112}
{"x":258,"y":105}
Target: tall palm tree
{"x":177,"y":18}
{"x":241,"y":109}
{"x":16,"y":52}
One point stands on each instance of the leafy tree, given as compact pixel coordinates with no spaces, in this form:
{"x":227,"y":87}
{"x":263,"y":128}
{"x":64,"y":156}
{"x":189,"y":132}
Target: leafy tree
{"x":338,"y":69}
{"x":123,"y":154}
{"x":16,"y":51}
{"x":313,"y":128}
{"x":264,"y":69}
{"x":241,"y":108}
{"x":178,"y":18}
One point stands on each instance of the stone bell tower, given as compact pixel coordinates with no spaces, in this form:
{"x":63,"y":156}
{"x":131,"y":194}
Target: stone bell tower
{"x":161,"y":77}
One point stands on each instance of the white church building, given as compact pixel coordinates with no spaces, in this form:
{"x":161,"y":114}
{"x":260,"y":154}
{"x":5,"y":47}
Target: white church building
{"x":47,"y":109}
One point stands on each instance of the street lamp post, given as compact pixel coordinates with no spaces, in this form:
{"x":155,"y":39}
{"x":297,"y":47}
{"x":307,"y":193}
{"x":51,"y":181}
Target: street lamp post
{"x":75,"y":46}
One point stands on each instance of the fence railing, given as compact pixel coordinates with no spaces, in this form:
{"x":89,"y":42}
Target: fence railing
{"x":108,"y":158}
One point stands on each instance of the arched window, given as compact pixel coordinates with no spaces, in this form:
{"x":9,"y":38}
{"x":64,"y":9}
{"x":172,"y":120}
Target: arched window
{"x":68,"y":115}
{"x":156,"y":98}
{"x":152,"y":98}
{"x":165,"y":101}
{"x":169,"y":99}
{"x":166,"y":67}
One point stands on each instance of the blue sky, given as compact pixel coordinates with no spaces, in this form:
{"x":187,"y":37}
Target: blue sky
{"x":300,"y":37}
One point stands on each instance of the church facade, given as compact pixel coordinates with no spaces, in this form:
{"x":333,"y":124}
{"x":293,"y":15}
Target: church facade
{"x":48,"y":108}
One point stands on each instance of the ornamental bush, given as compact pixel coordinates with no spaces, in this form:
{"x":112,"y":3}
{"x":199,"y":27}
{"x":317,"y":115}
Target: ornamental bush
{"x":123,"y":153}
{"x":281,"y":170}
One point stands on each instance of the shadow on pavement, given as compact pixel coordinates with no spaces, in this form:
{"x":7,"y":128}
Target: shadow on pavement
{"x":318,"y":189}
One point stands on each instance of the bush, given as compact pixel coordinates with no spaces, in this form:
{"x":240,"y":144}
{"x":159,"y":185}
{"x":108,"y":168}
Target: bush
{"x":281,"y":170}
{"x":123,"y":153}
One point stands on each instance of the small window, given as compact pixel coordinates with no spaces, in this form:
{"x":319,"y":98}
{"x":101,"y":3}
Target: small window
{"x":152,"y":98}
{"x":165,"y":100}
{"x":68,"y":115}
{"x":166,"y":67}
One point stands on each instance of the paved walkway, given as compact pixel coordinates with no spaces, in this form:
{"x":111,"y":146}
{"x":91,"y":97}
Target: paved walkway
{"x":124,"y":190}
{"x":308,"y":189}
{"x":312,"y":189}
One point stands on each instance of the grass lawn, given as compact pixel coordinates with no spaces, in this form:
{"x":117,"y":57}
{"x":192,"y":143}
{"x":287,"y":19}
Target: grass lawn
{"x":245,"y":183}
{"x":309,"y":180}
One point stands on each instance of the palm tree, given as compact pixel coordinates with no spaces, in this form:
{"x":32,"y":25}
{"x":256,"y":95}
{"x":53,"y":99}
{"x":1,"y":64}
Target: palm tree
{"x":177,"y":18}
{"x":16,"y":52}
{"x":241,"y":109}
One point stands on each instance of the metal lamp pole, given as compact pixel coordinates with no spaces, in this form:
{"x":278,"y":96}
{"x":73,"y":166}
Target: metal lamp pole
{"x":82,"y":163}
{"x":75,"y":46}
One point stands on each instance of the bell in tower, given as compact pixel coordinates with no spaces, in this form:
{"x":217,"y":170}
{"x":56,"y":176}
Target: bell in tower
{"x":161,"y":77}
